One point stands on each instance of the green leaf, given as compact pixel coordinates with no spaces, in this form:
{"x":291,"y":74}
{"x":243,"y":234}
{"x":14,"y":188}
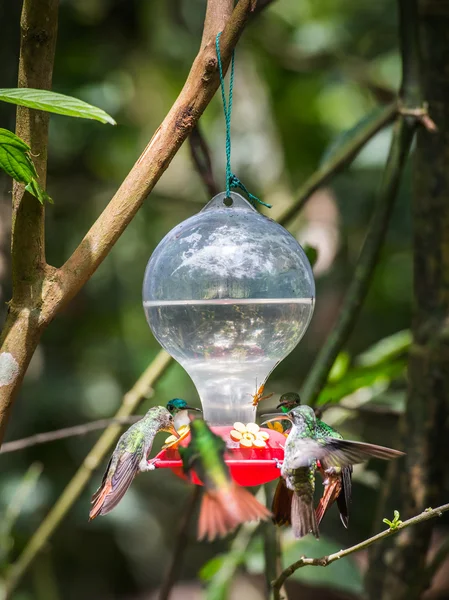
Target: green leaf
{"x":35,"y":189}
{"x":362,"y":377}
{"x":346,"y":137}
{"x":211,"y":568}
{"x":16,"y":162}
{"x":386,"y":349}
{"x":395,"y":523}
{"x":14,"y":158}
{"x":311,"y":253}
{"x":340,"y":367}
{"x":54,"y":103}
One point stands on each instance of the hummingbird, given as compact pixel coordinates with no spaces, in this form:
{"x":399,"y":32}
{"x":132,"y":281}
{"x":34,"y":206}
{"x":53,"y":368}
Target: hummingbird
{"x":337,"y":482}
{"x":303,"y":449}
{"x":130,"y":458}
{"x":180,"y":411}
{"x":225,"y":504}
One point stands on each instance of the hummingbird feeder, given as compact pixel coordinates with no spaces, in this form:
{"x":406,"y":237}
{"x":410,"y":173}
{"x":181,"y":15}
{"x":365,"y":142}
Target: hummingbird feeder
{"x":229,"y":293}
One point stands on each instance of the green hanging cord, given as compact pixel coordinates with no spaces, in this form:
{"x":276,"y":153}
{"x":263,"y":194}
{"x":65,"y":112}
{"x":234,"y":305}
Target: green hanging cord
{"x":232,"y":181}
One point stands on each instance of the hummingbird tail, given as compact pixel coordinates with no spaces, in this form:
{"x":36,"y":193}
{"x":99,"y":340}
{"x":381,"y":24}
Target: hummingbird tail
{"x":344,"y":499}
{"x":303,"y":517}
{"x":330,"y":495}
{"x":222,"y":510}
{"x":98,"y":500}
{"x":282,"y":504}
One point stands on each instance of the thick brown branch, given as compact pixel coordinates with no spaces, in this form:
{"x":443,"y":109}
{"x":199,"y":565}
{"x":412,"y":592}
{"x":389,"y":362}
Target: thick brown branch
{"x":42,"y":297}
{"x":398,"y":566}
{"x":196,"y":94}
{"x":324,"y":561}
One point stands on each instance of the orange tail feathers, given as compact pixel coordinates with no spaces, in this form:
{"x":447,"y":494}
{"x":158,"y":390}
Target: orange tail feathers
{"x":221,"y":511}
{"x":331,"y":492}
{"x":98,"y":499}
{"x":282,"y":504}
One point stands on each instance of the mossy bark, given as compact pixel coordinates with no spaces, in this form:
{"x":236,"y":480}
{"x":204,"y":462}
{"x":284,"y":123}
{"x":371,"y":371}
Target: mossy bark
{"x":397,"y":567}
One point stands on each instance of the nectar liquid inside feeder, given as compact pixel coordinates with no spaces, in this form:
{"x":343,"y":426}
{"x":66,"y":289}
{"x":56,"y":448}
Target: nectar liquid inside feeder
{"x":229,"y":293}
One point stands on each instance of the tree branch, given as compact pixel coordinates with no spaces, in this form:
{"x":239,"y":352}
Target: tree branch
{"x":180,"y":545}
{"x":141,"y":389}
{"x":61,"y":434}
{"x":38,"y":32}
{"x":201,"y":157}
{"x":400,"y":145}
{"x":398,"y":569}
{"x":47,"y":295}
{"x":328,"y":560}
{"x":345,"y":155}
{"x":20,"y":335}
{"x":196,"y":94}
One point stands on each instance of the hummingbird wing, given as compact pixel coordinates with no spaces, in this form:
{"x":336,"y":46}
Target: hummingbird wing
{"x":333,"y":452}
{"x":113,"y":488}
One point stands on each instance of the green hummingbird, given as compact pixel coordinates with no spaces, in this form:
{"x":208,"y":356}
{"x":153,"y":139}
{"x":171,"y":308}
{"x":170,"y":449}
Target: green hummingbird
{"x":225,"y":504}
{"x":180,"y":411}
{"x":337,"y":482}
{"x":303,"y":449}
{"x":129,"y":458}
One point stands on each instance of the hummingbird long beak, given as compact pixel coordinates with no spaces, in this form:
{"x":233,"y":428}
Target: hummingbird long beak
{"x":276,"y":417}
{"x":193,"y":408}
{"x":171,"y":429}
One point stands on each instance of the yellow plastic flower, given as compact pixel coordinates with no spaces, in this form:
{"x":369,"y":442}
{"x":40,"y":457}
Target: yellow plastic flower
{"x":249,"y":435}
{"x":172,"y":441}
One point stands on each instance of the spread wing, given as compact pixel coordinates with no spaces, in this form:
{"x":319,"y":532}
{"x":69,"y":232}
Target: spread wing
{"x":333,"y":452}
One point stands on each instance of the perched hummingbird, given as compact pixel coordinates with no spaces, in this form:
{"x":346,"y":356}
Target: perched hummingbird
{"x":225,"y":504}
{"x":303,"y":448}
{"x":337,"y":482}
{"x":180,"y":411}
{"x":129,"y":458}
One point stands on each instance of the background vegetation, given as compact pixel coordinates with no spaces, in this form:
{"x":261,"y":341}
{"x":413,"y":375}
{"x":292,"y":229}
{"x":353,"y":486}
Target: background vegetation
{"x":305,"y":72}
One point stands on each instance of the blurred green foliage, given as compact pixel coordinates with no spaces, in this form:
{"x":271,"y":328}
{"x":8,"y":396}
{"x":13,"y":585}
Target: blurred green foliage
{"x":306,"y":71}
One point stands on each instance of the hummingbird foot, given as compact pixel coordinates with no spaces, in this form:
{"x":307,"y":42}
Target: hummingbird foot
{"x":144,"y":465}
{"x":332,"y":471}
{"x":278,"y":463}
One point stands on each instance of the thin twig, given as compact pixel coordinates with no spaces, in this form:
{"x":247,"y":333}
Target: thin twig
{"x":66,"y":432}
{"x":180,"y":545}
{"x":324,"y":561}
{"x":131,"y":401}
{"x":201,"y":157}
{"x":271,"y":543}
{"x":345,"y":155}
{"x":317,"y":376}
{"x":437,"y":561}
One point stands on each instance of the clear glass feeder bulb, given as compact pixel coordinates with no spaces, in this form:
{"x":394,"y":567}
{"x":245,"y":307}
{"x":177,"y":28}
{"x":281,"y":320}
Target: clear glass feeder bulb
{"x":228,"y":293}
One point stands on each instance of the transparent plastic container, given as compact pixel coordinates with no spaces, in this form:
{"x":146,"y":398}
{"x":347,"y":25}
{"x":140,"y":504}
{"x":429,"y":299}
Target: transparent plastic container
{"x":228,"y":293}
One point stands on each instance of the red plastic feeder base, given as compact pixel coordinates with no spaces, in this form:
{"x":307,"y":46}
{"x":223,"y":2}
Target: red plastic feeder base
{"x":248,"y":466}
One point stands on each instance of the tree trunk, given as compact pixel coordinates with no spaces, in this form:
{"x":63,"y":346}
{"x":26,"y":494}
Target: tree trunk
{"x":397,"y":566}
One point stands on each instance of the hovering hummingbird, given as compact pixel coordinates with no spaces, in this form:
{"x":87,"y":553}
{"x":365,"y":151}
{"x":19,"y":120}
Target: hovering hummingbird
{"x":303,"y":449}
{"x":129,"y":458}
{"x":225,"y":504}
{"x":180,"y":411}
{"x":337,"y":482}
